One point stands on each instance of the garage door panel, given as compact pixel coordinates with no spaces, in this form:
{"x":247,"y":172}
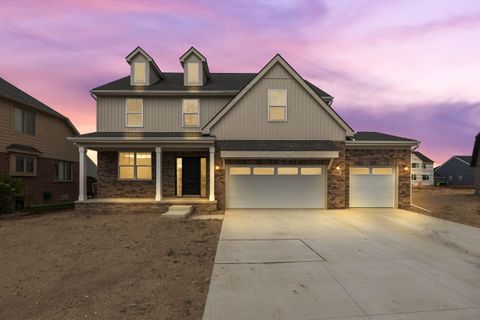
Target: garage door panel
{"x":372,"y":190}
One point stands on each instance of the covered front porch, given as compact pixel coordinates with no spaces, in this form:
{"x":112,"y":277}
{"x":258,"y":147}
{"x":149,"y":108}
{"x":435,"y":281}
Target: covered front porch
{"x":138,"y":172}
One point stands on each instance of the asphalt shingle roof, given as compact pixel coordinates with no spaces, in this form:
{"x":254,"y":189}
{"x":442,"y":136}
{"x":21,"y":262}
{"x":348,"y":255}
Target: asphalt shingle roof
{"x":140,"y":134}
{"x":465,"y":158}
{"x":277,"y":145}
{"x":377,"y":136}
{"x":422,"y":157}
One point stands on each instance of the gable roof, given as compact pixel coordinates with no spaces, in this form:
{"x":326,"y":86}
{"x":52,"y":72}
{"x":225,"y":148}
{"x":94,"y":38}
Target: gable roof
{"x":11,"y":92}
{"x":277,"y":59}
{"x":139,"y":50}
{"x":422,"y":157}
{"x":475,"y":161}
{"x":466,"y":159}
{"x":377,"y":136}
{"x":202,"y":58}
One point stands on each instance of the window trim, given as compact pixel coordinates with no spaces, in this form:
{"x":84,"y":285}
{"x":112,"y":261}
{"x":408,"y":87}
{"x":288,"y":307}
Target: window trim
{"x":134,"y":166}
{"x":24,"y":120}
{"x":268,"y":106}
{"x":197,"y":113}
{"x":199,"y":74}
{"x":127,"y":113}
{"x":145,"y":81}
{"x":13,"y":165}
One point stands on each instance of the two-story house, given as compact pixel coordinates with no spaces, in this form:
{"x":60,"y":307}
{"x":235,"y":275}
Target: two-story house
{"x":456,"y":172}
{"x":269,"y":139}
{"x":35,"y":149}
{"x":422,"y":170}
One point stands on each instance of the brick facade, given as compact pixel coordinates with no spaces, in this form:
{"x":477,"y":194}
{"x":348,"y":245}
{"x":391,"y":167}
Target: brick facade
{"x":399,"y":158}
{"x":43,"y":182}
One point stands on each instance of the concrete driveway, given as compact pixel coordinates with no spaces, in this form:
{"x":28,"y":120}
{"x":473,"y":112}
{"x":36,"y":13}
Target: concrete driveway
{"x":355,"y":264}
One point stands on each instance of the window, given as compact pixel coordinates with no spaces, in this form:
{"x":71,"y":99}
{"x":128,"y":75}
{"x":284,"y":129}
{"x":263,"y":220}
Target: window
{"x":425,"y":177}
{"x":135,"y":165}
{"x":311,"y":171}
{"x":359,"y":171}
{"x":134,"y":113}
{"x":193,"y":73}
{"x":424,"y":165}
{"x":415,"y":165}
{"x":287,"y":171}
{"x":460,"y":178}
{"x":24,"y":121}
{"x":62,"y":170}
{"x":277,"y":105}
{"x":25,"y":165}
{"x":240,"y":171}
{"x":414,"y":177}
{"x":263,"y":171}
{"x":190,"y":113}
{"x":449,"y":177}
{"x":382,"y":171}
{"x":140,"y":72}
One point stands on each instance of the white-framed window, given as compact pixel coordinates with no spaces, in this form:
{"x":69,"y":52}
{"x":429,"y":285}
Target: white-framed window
{"x":263,"y":171}
{"x":62,"y":170}
{"x":287,"y":171}
{"x":382,"y":171}
{"x":193,"y":73}
{"x":460,"y":177}
{"x":134,"y":165}
{"x":240,"y":171}
{"x":139,"y":72}
{"x":414,"y":177}
{"x":311,"y":171}
{"x":359,"y":171}
{"x":24,"y":121}
{"x":277,"y":105}
{"x":425,"y":177}
{"x":134,"y":113}
{"x":25,"y":165}
{"x":415,"y":165}
{"x":191,"y":113}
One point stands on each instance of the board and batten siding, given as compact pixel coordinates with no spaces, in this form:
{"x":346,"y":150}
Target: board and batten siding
{"x":50,"y":134}
{"x":160,"y":114}
{"x":306,"y":118}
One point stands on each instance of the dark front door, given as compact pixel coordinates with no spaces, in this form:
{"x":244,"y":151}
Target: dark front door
{"x":191,"y":176}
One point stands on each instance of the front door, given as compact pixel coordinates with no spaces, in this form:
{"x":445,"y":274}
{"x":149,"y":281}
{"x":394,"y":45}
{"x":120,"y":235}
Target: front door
{"x":191,"y":176}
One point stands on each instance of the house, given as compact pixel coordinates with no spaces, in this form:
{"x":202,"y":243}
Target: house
{"x":422,"y":170}
{"x":456,"y":172}
{"x":269,"y":139}
{"x":35,"y":149}
{"x":475,"y":163}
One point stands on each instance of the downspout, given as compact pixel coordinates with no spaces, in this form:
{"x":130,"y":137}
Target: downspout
{"x":411,"y":184}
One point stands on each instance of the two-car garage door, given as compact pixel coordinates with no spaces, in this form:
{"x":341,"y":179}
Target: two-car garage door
{"x":276,"y":186}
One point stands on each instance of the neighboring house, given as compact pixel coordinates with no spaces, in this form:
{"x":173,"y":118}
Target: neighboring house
{"x":234,"y":140}
{"x":456,"y":172}
{"x":438,"y":178}
{"x":475,"y":163}
{"x":34,"y":147}
{"x":422,"y":170}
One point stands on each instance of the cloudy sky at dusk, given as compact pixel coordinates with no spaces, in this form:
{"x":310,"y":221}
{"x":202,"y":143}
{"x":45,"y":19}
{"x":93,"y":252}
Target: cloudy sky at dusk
{"x":409,"y":67}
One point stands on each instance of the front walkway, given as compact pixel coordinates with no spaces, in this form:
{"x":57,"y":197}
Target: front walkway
{"x":356,"y":264}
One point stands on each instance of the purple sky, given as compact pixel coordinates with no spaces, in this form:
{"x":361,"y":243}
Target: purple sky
{"x":406,"y":67}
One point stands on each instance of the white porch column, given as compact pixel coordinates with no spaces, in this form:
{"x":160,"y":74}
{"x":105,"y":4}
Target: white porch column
{"x":82,"y":175}
{"x":212,"y":174}
{"x":158,"y":174}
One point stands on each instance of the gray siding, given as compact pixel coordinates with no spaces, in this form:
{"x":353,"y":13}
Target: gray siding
{"x":307,"y":120}
{"x":454,"y":169}
{"x":160,"y":114}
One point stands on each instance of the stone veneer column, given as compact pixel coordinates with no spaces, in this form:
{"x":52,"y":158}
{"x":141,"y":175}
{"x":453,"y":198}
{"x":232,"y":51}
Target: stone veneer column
{"x":158,"y":174}
{"x":81,"y":175}
{"x":211,"y":196}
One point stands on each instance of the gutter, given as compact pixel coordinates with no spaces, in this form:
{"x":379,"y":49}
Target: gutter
{"x":142,"y":139}
{"x":164,"y":92}
{"x":354,"y":143}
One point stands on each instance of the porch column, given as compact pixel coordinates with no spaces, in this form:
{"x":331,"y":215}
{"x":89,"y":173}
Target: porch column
{"x":158,"y":174}
{"x":81,"y":175}
{"x":212,"y":174}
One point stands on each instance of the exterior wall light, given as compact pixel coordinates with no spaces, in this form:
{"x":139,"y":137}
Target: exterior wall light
{"x":405,"y":168}
{"x":337,"y":168}
{"x":217,"y":167}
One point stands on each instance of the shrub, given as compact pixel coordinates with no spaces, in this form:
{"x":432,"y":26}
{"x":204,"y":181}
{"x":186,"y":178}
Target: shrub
{"x":11,"y":189}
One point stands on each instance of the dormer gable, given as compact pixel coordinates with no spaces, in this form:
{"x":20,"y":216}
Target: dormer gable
{"x":143,"y":69}
{"x":195,"y":68}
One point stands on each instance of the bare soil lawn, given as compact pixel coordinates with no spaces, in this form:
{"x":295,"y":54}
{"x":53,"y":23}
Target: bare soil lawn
{"x":454,"y":204}
{"x":124,"y":266}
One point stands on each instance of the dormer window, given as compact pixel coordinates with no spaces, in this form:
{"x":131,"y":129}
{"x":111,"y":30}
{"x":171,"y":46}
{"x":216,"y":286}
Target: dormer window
{"x":193,"y":73}
{"x":140,"y":72}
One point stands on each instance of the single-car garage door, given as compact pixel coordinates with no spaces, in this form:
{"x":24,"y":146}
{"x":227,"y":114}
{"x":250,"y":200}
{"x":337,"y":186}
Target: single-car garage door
{"x":276,"y":186}
{"x":372,"y":187}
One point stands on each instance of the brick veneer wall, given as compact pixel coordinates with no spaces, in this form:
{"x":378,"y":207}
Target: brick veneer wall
{"x":337,"y":181}
{"x":398,"y":158}
{"x":43,"y":182}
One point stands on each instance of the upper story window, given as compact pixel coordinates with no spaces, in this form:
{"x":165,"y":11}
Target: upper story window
{"x":140,"y":72}
{"x":134,"y":113}
{"x":193,"y":73}
{"x":135,"y":165}
{"x":191,"y":113}
{"x":25,"y":165}
{"x":277,"y":105}
{"x":415,"y":165}
{"x":24,"y":121}
{"x":62,"y":170}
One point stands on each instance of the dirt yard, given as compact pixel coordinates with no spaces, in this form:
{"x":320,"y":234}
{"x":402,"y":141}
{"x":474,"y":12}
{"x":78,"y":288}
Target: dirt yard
{"x":458,"y":205}
{"x":133,"y":266}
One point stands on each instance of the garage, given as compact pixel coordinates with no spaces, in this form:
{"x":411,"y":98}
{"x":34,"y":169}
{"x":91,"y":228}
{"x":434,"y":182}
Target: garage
{"x":372,"y":187}
{"x":276,"y":186}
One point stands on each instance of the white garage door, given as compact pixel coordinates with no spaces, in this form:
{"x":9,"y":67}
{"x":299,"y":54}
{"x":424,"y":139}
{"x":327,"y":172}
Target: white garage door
{"x":276,"y":187}
{"x":372,"y":187}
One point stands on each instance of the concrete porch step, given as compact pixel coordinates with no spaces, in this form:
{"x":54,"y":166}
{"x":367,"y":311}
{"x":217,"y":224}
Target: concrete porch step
{"x":178,"y":211}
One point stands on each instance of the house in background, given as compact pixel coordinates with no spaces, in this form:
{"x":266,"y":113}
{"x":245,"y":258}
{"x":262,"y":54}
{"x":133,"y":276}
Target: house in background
{"x":475,"y":163}
{"x":456,"y":172}
{"x":214,"y":141}
{"x":422,"y":170}
{"x":34,"y":147}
